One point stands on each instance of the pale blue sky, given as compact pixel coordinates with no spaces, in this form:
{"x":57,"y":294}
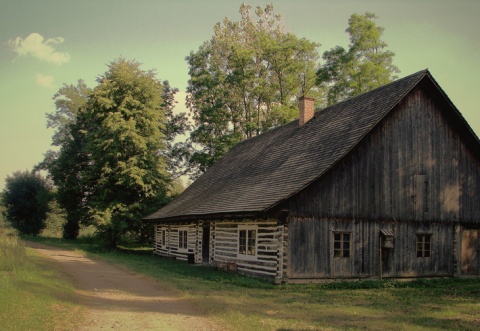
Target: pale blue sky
{"x":81,"y":37}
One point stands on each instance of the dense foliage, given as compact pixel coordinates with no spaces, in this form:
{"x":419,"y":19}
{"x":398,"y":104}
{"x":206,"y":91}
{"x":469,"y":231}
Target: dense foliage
{"x":124,"y":134}
{"x":366,"y":65}
{"x":116,"y":144}
{"x":246,"y":80}
{"x":26,"y":197}
{"x":66,"y":167}
{"x":248,"y":77}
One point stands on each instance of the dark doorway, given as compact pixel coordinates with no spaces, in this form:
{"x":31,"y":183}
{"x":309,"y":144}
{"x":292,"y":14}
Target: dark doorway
{"x":206,"y":243}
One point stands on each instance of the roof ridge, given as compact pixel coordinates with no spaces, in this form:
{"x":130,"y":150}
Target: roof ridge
{"x":424,"y":71}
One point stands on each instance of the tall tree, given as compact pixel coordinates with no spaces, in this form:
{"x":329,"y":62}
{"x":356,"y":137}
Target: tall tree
{"x":246,"y":80}
{"x":366,"y":65}
{"x":124,"y":137}
{"x":26,"y":197}
{"x":68,"y":165}
{"x":72,"y":167}
{"x":176,"y":124}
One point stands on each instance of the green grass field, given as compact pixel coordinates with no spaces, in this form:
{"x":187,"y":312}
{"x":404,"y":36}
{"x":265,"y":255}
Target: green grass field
{"x":33,"y":296}
{"x":244,"y":303}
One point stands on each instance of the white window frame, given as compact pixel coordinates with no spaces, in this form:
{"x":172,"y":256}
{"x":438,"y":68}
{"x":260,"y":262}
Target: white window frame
{"x":247,"y":228}
{"x":182,"y":249}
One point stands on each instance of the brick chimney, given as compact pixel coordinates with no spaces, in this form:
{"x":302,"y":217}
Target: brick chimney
{"x":307,"y":109}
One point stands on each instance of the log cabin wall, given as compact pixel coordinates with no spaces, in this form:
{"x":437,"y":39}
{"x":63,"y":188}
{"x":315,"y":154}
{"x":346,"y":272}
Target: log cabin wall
{"x":264,"y":262}
{"x":169,"y":244}
{"x":159,"y":246}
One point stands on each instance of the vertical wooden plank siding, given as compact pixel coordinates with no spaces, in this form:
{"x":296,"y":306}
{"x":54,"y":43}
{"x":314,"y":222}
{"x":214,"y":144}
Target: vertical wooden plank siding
{"x":312,"y":254}
{"x":442,"y":259}
{"x":413,"y":166}
{"x":412,"y":174}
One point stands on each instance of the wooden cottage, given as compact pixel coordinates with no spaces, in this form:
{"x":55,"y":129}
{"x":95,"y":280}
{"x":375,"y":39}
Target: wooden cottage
{"x":385,"y":184}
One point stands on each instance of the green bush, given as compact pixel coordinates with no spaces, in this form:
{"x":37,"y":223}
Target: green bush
{"x":26,"y":197}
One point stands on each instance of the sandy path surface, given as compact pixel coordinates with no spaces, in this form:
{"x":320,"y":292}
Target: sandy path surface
{"x":117,"y":299}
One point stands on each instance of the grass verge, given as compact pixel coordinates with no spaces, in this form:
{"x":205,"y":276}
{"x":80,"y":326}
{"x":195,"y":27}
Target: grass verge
{"x":244,"y":303}
{"x":32,"y":294}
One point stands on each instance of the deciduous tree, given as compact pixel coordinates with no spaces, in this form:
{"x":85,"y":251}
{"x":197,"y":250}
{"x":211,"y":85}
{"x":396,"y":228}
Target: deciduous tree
{"x":68,"y":165}
{"x":116,"y":142}
{"x":246,"y":80}
{"x":366,"y":65}
{"x":125,"y":135}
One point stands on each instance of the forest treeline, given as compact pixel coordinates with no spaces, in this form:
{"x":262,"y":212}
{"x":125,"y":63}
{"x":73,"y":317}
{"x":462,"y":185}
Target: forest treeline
{"x":120,"y":146}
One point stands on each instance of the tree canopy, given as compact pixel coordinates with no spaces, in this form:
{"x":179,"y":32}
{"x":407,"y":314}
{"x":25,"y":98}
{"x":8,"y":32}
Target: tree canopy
{"x":123,"y":124}
{"x":366,"y":65}
{"x":245,"y":80}
{"x":114,"y":142}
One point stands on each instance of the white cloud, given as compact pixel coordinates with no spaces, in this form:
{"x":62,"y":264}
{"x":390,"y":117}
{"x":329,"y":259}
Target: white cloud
{"x":44,"y":80}
{"x":37,"y":46}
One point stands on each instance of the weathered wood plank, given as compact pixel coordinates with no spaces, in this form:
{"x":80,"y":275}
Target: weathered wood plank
{"x":414,"y":166}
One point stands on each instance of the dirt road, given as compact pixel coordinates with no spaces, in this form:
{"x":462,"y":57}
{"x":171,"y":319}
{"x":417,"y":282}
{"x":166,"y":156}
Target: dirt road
{"x":116,"y":299}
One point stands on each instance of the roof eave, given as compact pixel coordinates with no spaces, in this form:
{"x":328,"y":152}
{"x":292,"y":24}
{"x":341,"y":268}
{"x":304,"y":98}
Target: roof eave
{"x":208,"y":217}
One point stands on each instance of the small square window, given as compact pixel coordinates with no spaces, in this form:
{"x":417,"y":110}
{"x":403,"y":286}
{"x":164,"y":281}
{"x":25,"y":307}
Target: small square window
{"x":341,"y":244}
{"x":424,"y":245}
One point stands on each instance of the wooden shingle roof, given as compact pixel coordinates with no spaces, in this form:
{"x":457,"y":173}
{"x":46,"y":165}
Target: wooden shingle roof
{"x":258,"y":173}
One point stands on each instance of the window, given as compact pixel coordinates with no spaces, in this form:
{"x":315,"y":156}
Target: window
{"x":247,"y":241}
{"x":164,"y":238}
{"x":183,"y":239}
{"x":424,"y":245}
{"x":341,"y":244}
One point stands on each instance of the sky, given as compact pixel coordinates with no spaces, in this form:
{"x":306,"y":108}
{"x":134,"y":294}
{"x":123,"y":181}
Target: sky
{"x":47,"y":43}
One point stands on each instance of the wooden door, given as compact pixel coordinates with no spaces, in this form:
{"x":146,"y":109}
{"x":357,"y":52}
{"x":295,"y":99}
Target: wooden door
{"x":471,"y":251}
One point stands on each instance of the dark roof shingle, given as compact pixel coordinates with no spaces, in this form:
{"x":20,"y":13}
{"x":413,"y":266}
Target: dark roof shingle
{"x":260,"y":172}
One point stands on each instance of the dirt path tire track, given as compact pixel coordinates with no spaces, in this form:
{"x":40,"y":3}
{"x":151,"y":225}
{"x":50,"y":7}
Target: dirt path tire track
{"x":121,"y":300}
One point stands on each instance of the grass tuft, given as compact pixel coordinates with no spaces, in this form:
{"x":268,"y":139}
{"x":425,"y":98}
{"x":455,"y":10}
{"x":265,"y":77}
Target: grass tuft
{"x":12,"y":254}
{"x":33,"y":296}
